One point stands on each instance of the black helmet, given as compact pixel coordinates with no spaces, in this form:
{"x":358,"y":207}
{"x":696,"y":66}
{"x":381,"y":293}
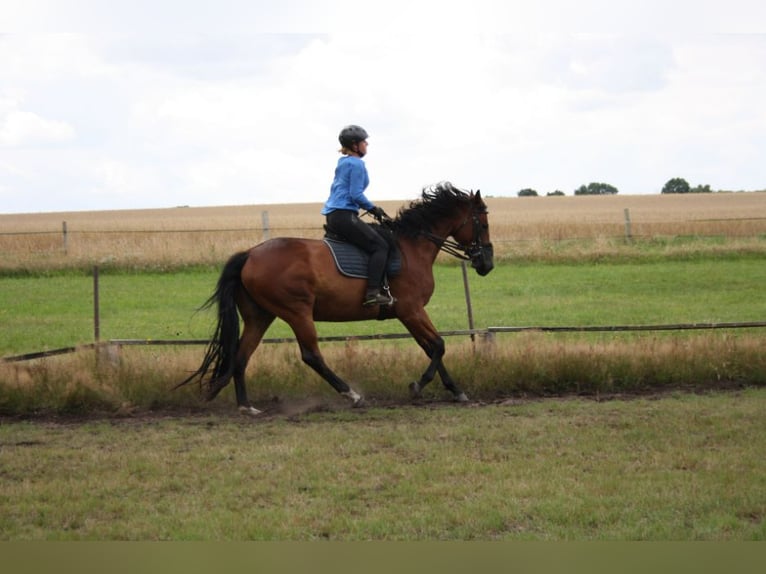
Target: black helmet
{"x":351,"y":135}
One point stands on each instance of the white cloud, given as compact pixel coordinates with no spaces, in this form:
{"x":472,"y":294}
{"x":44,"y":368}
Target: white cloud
{"x":38,"y":59}
{"x":408,"y":16}
{"x":177,"y":115}
{"x":20,"y":129}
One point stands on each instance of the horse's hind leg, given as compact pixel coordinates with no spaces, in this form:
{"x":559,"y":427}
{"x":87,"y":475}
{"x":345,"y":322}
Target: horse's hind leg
{"x":305,"y":332}
{"x":257,"y":321}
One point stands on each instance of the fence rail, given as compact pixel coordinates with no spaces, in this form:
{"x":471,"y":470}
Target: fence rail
{"x":486,"y":333}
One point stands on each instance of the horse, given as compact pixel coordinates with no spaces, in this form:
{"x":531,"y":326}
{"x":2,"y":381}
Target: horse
{"x":298,"y":281}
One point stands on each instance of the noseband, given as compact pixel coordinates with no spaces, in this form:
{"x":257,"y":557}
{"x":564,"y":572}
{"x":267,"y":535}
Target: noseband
{"x":464,"y":252}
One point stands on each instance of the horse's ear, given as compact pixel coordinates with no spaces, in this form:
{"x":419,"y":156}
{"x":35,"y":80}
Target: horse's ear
{"x":478,"y":195}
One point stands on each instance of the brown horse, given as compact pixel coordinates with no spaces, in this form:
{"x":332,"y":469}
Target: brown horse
{"x":297,"y":280}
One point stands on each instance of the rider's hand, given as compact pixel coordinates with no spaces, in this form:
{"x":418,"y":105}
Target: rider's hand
{"x":379,"y":214}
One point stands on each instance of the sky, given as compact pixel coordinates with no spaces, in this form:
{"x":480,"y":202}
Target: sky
{"x":151,"y":104}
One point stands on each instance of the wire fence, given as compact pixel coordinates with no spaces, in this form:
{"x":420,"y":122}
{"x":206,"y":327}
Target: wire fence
{"x":486,"y":334}
{"x":626,"y":230}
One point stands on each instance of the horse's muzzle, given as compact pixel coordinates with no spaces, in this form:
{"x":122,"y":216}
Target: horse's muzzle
{"x":483,"y":259}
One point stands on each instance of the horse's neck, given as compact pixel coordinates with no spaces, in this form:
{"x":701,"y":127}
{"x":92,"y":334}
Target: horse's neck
{"x":420,"y":249}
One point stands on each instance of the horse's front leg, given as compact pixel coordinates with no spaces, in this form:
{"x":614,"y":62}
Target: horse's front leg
{"x":451,"y":385}
{"x":433,"y":345}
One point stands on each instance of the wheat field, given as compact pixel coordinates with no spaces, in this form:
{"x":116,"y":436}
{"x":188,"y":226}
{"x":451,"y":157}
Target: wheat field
{"x":519,"y":227}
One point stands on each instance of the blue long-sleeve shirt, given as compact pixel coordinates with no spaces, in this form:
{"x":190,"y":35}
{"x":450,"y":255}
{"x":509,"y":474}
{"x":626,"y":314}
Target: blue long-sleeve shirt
{"x":347,"y":189}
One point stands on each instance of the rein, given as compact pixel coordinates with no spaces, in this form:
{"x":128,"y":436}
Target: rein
{"x":458,"y":250}
{"x":448,"y":246}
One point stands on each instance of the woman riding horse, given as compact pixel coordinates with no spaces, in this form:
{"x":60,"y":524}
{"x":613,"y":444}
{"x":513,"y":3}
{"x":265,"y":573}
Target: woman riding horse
{"x":297,"y":280}
{"x":342,"y":211}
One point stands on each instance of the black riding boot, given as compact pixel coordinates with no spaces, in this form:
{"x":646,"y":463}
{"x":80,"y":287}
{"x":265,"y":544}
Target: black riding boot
{"x":375,"y":296}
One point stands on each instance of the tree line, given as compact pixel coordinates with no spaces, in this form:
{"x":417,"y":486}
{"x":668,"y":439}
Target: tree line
{"x":673,"y":185}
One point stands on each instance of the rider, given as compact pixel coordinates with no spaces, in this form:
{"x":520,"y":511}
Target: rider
{"x":342,"y":211}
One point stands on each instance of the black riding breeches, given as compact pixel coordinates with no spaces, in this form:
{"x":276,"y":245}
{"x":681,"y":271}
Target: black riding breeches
{"x":348,"y":225}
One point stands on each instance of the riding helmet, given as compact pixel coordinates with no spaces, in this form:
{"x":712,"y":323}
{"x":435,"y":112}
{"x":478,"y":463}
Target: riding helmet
{"x":352,"y":134}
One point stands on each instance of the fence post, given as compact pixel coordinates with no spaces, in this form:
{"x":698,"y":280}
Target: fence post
{"x":66,"y":237}
{"x":628,"y":234}
{"x":468,"y":305}
{"x":96,"y":307}
{"x":265,"y":224}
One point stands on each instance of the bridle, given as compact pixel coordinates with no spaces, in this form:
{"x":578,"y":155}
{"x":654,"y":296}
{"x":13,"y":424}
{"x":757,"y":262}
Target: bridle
{"x":464,"y":252}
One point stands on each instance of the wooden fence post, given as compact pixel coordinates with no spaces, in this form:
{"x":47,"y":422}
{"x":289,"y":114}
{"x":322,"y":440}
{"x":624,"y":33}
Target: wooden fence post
{"x":628,"y":233}
{"x":265,"y":224}
{"x":468,"y":304}
{"x":96,"y":307}
{"x":66,"y":237}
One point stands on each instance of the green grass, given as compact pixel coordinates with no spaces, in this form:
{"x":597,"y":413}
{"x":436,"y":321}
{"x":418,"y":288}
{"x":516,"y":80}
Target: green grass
{"x":144,"y":463}
{"x":630,"y":294}
{"x":163,"y":306}
{"x":136,"y":380}
{"x":55,"y":311}
{"x":686,"y":467}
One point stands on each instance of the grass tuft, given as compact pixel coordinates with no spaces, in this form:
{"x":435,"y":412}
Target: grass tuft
{"x":116,"y":380}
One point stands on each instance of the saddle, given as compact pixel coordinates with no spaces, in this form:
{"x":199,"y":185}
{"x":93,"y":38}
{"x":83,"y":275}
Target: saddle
{"x":352,"y":261}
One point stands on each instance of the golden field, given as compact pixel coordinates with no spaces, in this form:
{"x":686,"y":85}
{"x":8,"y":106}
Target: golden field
{"x":520,"y":227}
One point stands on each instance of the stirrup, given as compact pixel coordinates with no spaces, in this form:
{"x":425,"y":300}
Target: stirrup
{"x":379,"y":298}
{"x":385,"y":290}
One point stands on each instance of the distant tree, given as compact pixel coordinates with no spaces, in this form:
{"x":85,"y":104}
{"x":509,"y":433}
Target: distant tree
{"x":701,"y":189}
{"x":527,"y":192}
{"x":594,"y":188}
{"x":676,"y":185}
{"x":557,"y":192}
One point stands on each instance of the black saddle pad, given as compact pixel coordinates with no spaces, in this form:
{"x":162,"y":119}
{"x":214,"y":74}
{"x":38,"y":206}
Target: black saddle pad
{"x":352,"y":261}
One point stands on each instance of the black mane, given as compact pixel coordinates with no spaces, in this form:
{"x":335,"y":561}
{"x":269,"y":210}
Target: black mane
{"x":437,"y":202}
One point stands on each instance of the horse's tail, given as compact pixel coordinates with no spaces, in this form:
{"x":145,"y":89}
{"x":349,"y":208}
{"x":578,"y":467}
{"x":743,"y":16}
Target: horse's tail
{"x":217,"y":367}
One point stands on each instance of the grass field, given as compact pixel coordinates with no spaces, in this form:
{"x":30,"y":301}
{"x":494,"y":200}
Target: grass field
{"x":93,"y":446}
{"x":684,"y":467}
{"x":57,"y":311}
{"x":561,"y":261}
{"x":53,"y":312}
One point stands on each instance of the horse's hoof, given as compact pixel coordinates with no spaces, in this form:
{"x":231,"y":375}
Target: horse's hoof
{"x":356,"y":399}
{"x":462,"y":398}
{"x":249,"y":411}
{"x":415,"y":390}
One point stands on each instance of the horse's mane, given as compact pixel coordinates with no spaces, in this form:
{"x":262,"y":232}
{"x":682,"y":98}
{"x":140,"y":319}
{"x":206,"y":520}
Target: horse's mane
{"x":437,"y":202}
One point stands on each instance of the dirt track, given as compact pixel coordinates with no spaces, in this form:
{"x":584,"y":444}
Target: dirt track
{"x":294,"y":410}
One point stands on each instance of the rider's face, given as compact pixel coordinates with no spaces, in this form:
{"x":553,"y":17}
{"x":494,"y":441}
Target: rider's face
{"x":361,"y":148}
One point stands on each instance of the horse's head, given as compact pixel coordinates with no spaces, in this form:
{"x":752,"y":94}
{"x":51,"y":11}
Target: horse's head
{"x":472,"y":234}
{"x":446,"y":211}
